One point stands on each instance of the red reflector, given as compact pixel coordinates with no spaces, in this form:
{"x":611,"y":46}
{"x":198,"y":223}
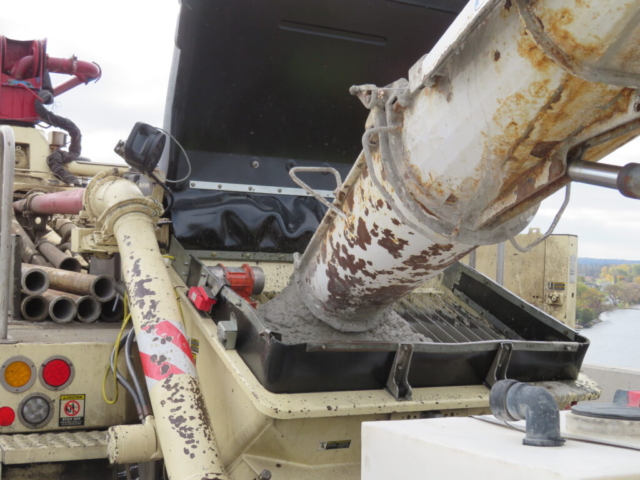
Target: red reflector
{"x":56,"y":372}
{"x":7,"y":416}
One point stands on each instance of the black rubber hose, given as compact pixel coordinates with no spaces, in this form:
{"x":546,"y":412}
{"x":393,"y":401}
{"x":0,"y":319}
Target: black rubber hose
{"x":146,"y":410}
{"x":60,"y":157}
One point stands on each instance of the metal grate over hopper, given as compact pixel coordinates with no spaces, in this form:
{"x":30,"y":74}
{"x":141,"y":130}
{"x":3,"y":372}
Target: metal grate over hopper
{"x":479,"y":332}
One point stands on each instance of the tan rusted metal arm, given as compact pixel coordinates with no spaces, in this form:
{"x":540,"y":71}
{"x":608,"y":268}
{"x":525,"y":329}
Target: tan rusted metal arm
{"x":181,"y":418}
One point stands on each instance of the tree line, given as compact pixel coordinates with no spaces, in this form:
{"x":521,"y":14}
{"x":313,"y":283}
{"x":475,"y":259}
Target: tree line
{"x":615,"y":286}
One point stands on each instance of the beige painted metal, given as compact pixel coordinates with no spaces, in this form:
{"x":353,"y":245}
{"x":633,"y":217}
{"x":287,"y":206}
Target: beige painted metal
{"x":89,"y":349}
{"x":284,"y":433}
{"x":610,"y":379}
{"x":546,"y":276}
{"x":134,"y":443}
{"x":182,"y":421}
{"x":52,"y":447}
{"x":32,"y":169}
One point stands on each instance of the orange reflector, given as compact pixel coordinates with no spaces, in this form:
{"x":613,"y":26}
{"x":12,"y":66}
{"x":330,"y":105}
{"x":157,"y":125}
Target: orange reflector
{"x":17,"y":374}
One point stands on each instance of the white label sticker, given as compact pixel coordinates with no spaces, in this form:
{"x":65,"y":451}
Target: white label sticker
{"x":72,"y":410}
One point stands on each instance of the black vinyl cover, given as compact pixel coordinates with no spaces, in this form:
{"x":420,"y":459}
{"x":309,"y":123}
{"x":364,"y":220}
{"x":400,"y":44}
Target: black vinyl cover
{"x":268,"y":82}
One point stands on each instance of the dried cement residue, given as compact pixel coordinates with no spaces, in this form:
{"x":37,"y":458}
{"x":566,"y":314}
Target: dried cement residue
{"x":288,"y":315}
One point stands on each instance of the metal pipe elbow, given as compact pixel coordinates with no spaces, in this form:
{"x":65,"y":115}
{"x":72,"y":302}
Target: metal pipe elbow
{"x":511,"y":401}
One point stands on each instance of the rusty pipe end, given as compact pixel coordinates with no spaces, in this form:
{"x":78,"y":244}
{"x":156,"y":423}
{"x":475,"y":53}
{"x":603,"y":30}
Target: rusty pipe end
{"x":103,"y":288}
{"x":112,"y":310}
{"x":70,"y":264}
{"x":88,"y":309}
{"x":34,"y":308}
{"x":62,"y":310}
{"x":35,"y":281}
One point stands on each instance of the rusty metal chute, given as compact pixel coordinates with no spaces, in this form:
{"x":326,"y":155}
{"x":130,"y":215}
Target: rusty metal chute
{"x":462,"y":153}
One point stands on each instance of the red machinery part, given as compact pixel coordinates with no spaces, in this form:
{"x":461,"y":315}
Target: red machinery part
{"x":633,"y":398}
{"x":7,"y":416}
{"x":244,"y":280}
{"x":66,"y":202}
{"x":202,"y":298}
{"x":23,"y":65}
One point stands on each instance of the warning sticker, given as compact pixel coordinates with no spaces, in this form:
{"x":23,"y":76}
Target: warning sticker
{"x":71,"y":410}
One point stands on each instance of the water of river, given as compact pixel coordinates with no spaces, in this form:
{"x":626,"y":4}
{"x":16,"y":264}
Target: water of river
{"x":616,"y":340}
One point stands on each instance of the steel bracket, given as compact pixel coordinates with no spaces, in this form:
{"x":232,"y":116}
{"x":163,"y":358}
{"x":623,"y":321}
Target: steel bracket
{"x":398,"y":382}
{"x":500,"y":365}
{"x":228,"y":333}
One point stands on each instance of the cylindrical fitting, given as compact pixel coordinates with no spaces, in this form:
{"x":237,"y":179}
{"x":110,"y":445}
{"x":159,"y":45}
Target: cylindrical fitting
{"x":87,"y":307}
{"x":113,"y":310}
{"x":64,"y":227}
{"x":101,"y":287}
{"x":511,"y":401}
{"x":624,"y":179}
{"x":59,"y":259}
{"x":134,"y":443}
{"x":29,"y":252}
{"x":34,"y":280}
{"x":65,"y":202}
{"x":61,"y":308}
{"x":34,"y":308}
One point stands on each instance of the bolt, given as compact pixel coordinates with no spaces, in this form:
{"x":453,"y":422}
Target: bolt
{"x":251,"y":189}
{"x":280,"y":257}
{"x":219,"y":185}
{"x":214,"y":254}
{"x":186,"y":263}
{"x":265,"y":475}
{"x":279,"y":190}
{"x":405,"y":348}
{"x":255,"y":164}
{"x":247,"y":255}
{"x":193,"y":184}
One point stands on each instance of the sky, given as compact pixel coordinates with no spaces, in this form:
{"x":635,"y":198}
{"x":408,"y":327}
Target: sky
{"x":133,"y":43}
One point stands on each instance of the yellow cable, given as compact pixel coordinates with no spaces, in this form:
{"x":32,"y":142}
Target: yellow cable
{"x":125,"y":321}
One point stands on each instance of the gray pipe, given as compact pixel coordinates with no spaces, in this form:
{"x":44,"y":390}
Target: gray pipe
{"x":34,"y":280}
{"x":624,"y":179}
{"x":88,"y":308}
{"x":511,"y":401}
{"x":59,"y":259}
{"x":61,"y":308}
{"x":6,"y":207}
{"x":34,"y":308}
{"x":29,"y":252}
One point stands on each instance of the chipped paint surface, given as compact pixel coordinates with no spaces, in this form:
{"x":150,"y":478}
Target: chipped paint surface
{"x":183,"y":424}
{"x":467,"y":159}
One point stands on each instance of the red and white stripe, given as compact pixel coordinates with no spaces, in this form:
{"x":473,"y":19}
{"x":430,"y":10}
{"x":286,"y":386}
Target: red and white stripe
{"x":165,"y":350}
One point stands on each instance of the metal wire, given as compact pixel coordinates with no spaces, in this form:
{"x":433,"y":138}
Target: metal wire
{"x":554,"y":224}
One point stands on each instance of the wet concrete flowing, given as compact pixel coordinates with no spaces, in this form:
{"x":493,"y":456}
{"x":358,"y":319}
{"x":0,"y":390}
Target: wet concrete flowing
{"x":290,"y":317}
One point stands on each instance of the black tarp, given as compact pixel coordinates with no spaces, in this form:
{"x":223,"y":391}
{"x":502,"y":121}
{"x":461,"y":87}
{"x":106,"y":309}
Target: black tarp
{"x":268,"y":81}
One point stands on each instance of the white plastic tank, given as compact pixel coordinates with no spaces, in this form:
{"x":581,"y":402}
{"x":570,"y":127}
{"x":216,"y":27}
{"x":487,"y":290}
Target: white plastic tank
{"x":468,"y":448}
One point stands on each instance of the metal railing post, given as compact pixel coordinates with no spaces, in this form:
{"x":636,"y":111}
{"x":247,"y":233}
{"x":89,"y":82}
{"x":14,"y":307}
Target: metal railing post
{"x":7,"y":142}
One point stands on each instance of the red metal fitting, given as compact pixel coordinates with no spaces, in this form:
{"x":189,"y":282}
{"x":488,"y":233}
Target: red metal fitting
{"x":241,"y":280}
{"x":202,"y":298}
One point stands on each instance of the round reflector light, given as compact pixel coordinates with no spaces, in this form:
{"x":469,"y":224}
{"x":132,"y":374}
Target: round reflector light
{"x":17,"y":374}
{"x":56,"y":373}
{"x":35,"y":411}
{"x":7,"y":416}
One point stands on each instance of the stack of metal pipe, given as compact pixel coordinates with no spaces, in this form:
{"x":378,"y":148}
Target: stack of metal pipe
{"x":63,"y":296}
{"x":54,"y":284}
